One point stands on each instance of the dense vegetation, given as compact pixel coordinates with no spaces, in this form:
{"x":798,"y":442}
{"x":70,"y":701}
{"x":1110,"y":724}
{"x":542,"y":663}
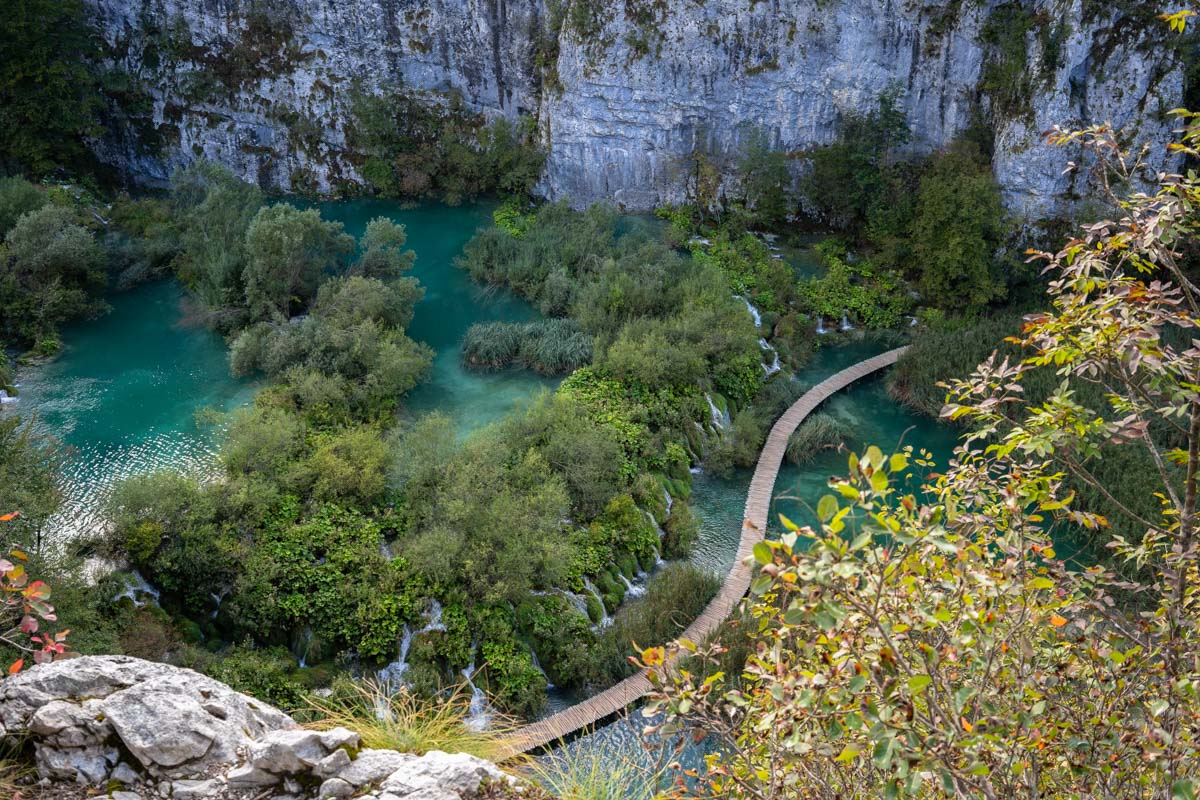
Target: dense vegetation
{"x":935,"y":644}
{"x":418,"y":145}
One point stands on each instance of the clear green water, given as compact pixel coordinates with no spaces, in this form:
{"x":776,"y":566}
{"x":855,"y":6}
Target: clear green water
{"x":123,"y":395}
{"x":719,"y":503}
{"x":124,"y":392}
{"x":452,"y":304}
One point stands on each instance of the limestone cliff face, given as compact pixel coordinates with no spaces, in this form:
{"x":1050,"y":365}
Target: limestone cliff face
{"x":625,"y":90}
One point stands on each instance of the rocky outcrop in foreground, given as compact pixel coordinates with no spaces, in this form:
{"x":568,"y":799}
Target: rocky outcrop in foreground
{"x":146,"y":730}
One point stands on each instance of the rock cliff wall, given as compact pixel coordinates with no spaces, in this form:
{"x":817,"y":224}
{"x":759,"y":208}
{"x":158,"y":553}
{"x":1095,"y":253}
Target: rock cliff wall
{"x":625,"y":91}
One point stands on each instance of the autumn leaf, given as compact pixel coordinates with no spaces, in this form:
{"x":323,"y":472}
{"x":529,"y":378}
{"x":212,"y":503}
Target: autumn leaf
{"x":1058,"y":621}
{"x":9,"y":516}
{"x":15,"y":667}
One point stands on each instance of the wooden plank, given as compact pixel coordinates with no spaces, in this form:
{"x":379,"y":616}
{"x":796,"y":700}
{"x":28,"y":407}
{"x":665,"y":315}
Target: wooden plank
{"x":754,"y":526}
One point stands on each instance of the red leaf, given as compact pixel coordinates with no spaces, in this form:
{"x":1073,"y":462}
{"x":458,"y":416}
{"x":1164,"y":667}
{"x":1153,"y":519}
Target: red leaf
{"x":10,"y":516}
{"x":15,"y":667}
{"x":29,"y":624}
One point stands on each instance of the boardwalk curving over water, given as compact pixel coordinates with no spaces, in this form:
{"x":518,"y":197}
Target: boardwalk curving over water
{"x":737,"y":582}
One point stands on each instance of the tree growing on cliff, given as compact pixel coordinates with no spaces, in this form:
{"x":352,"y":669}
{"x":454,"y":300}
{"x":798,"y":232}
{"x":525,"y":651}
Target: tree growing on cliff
{"x":930,"y":643}
{"x":49,"y":97}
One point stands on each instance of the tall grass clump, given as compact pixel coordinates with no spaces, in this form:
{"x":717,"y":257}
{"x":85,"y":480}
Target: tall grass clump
{"x":596,"y":773}
{"x":675,"y":596}
{"x":550,"y":347}
{"x":818,"y":433}
{"x":406,"y":723}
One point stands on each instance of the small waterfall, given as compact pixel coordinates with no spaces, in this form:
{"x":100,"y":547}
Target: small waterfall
{"x":773,"y":367}
{"x":631,"y":589}
{"x":6,"y":398}
{"x":393,"y":673}
{"x":478,"y":713}
{"x":576,"y":600}
{"x":217,"y":598}
{"x":136,"y":585}
{"x":846,"y":326}
{"x":605,"y":620}
{"x":912,"y":322}
{"x":661,"y":533}
{"x":670,"y":500}
{"x":753,"y":311}
{"x":538,"y":666}
{"x":821,"y":329}
{"x":303,"y":645}
{"x":719,"y":418}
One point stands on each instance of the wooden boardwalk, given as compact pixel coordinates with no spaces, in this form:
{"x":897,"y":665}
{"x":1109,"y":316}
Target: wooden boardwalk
{"x":754,"y":525}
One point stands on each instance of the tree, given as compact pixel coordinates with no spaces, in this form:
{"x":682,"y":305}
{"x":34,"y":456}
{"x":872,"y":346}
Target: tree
{"x":17,"y":196}
{"x":765,"y":179}
{"x":29,"y":480}
{"x":214,"y":209}
{"x":288,"y":251}
{"x":49,"y":96}
{"x":384,"y":256}
{"x":48,"y":267}
{"x":957,"y":229}
{"x":931,"y":643}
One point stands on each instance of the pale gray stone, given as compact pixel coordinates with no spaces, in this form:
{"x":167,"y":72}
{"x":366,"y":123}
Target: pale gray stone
{"x":287,"y":751}
{"x":334,"y":738}
{"x":335,"y":788}
{"x":332,"y":764}
{"x":123,"y":773}
{"x":247,"y":776}
{"x":195,"y":790}
{"x":374,"y":765}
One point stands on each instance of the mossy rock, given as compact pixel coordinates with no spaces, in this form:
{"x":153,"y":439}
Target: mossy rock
{"x":595,"y":610}
{"x":629,"y":565}
{"x":647,"y":562}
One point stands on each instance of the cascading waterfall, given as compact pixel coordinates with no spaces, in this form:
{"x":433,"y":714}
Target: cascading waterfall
{"x":478,"y":713}
{"x":136,"y":585}
{"x":773,"y":367}
{"x":754,"y":312}
{"x":821,"y":329}
{"x":393,"y":673}
{"x":632,"y":589}
{"x":661,"y":533}
{"x":846,"y":326}
{"x":719,"y":418}
{"x":669,"y":500}
{"x":605,"y":620}
{"x":303,"y":645}
{"x":538,"y":666}
{"x":6,"y":398}
{"x":217,"y":598}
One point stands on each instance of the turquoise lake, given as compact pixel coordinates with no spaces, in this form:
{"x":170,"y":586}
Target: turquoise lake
{"x":125,"y":391}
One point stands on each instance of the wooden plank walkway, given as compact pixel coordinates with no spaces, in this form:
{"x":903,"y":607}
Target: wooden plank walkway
{"x":754,"y":525}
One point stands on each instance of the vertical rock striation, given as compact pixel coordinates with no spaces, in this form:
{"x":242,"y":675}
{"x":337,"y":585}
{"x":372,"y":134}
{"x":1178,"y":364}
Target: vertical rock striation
{"x":625,"y":92}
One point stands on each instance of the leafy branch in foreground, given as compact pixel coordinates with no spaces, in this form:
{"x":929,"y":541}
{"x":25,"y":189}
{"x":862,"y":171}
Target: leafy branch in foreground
{"x":930,"y":644}
{"x":23,"y":606}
